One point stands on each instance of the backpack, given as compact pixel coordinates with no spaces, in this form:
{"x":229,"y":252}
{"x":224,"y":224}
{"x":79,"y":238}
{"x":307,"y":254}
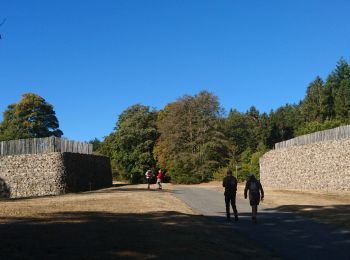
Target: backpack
{"x":148,"y":174}
{"x":254,"y":187}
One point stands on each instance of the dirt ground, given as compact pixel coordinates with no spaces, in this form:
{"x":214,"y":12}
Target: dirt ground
{"x":125,"y":221}
{"x":326,"y":207}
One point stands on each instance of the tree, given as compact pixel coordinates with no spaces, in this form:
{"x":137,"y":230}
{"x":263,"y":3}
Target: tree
{"x":283,"y":123}
{"x":329,"y":88}
{"x":192,"y":143}
{"x":29,"y":118}
{"x":96,"y":143}
{"x":342,"y":101}
{"x":313,"y":107}
{"x":314,"y":126}
{"x":341,"y":93}
{"x":131,"y":146}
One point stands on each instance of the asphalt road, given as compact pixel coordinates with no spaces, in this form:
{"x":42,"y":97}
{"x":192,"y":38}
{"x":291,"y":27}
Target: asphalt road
{"x":290,"y":236}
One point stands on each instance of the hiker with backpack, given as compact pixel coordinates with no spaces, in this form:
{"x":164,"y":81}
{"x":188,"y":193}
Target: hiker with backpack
{"x":230,"y":185}
{"x":149,"y":176}
{"x":256,"y":193}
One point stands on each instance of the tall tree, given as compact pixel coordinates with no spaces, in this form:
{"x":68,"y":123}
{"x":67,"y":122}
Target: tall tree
{"x":237,"y":130}
{"x":283,"y":123}
{"x":31,"y":117}
{"x":133,"y":141}
{"x":329,"y":89}
{"x":192,"y":143}
{"x":313,"y":107}
{"x":341,"y":94}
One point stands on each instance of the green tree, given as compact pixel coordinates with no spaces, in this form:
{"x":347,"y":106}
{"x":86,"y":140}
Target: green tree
{"x":237,"y":130}
{"x":341,"y":93}
{"x":283,"y":123}
{"x":342,"y":101}
{"x":96,"y":143}
{"x":131,"y":146}
{"x":313,"y":107}
{"x":29,"y":118}
{"x":192,"y":144}
{"x":329,"y":112}
{"x":314,"y":126}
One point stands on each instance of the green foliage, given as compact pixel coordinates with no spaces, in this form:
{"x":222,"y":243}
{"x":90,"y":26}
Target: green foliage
{"x":192,"y":144}
{"x":182,"y":170}
{"x":313,"y":107}
{"x":220,"y":173}
{"x":131,"y":145}
{"x":282,"y":123}
{"x":95,"y":144}
{"x":29,"y":118}
{"x":314,"y":126}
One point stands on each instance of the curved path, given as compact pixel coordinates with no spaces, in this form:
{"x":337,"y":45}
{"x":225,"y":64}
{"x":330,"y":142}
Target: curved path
{"x":290,"y":236}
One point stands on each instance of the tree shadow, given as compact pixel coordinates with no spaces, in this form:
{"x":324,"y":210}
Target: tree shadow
{"x":338,"y":215}
{"x":5,"y":191}
{"x":296,"y":235}
{"x":103,"y":235}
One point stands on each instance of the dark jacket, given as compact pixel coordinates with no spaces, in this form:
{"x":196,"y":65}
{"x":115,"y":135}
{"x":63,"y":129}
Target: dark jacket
{"x":230,"y":184}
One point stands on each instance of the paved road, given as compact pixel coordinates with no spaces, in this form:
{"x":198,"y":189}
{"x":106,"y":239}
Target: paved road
{"x":291,"y":236}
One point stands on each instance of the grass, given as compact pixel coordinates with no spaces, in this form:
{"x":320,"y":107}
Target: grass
{"x":127,"y":222}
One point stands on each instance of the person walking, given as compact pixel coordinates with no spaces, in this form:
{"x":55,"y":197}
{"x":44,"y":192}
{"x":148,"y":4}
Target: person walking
{"x":256,"y":193}
{"x":160,"y":177}
{"x":230,"y":185}
{"x":149,"y":176}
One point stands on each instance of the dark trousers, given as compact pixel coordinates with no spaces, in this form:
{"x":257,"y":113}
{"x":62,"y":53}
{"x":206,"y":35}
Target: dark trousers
{"x":231,"y":199}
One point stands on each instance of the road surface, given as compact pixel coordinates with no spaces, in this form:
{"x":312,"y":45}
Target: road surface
{"x":290,"y":236}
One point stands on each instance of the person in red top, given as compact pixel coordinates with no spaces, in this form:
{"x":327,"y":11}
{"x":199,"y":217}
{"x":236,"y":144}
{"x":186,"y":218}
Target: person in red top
{"x":160,"y":177}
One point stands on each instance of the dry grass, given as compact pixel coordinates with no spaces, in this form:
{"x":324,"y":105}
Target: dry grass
{"x":128,"y":222}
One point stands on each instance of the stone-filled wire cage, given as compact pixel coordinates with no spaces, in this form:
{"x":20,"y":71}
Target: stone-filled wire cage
{"x":43,"y":145}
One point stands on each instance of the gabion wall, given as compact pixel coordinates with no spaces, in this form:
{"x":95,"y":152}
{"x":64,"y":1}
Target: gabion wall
{"x":52,"y":174}
{"x":320,"y":166}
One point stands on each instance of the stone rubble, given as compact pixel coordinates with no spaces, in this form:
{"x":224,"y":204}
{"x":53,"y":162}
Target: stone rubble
{"x":31,"y":175}
{"x":323,"y":166}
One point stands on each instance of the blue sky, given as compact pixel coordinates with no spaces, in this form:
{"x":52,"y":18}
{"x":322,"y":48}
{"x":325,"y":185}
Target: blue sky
{"x":93,"y":59}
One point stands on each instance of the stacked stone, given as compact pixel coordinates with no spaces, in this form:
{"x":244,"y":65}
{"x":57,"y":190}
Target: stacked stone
{"x":320,"y":166}
{"x":31,"y":175}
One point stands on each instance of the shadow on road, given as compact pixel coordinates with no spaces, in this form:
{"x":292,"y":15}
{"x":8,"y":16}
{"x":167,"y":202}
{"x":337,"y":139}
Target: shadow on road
{"x":103,"y":235}
{"x":332,"y":214}
{"x":293,"y":236}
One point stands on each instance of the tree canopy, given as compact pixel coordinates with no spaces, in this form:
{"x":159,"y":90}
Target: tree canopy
{"x":194,"y":141}
{"x":131,"y":145}
{"x":31,"y":117}
{"x":192,"y":138}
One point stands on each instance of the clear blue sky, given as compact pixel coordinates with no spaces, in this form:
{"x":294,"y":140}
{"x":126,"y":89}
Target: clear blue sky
{"x":93,"y":59}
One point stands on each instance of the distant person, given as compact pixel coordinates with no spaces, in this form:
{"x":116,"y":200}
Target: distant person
{"x":149,"y":176}
{"x":160,"y":177}
{"x":230,"y":184}
{"x":256,"y":193}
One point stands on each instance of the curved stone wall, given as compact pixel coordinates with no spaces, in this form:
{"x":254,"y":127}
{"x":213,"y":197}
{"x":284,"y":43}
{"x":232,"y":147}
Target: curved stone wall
{"x":31,"y":175}
{"x":320,"y":166}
